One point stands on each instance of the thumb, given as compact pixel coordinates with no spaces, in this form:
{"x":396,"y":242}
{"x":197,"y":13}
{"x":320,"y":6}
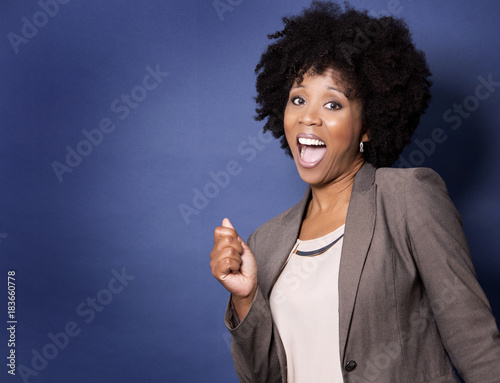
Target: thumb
{"x":244,"y":245}
{"x":227,"y":223}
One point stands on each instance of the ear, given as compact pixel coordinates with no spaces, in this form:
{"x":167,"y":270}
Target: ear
{"x":365,"y":137}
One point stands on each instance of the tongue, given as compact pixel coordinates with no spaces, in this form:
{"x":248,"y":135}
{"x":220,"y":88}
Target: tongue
{"x":313,"y":153}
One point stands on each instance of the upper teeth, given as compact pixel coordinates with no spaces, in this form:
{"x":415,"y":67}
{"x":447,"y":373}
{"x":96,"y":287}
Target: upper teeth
{"x":309,"y":141}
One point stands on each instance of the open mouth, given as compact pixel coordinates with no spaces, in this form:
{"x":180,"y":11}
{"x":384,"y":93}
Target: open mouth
{"x":310,"y":151}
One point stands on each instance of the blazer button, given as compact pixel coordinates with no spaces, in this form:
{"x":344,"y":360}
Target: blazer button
{"x":351,"y":365}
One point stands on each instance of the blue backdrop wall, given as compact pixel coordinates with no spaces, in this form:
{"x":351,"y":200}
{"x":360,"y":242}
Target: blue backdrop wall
{"x":127,"y":134}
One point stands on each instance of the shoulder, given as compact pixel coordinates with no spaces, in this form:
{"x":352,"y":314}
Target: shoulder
{"x":399,"y":191}
{"x":417,"y":193}
{"x":403,"y":180}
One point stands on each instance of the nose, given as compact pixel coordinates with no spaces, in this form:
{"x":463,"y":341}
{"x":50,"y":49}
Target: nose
{"x":310,"y":115}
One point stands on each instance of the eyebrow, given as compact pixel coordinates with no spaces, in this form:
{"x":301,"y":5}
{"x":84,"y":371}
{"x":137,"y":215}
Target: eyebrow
{"x":329,"y":88}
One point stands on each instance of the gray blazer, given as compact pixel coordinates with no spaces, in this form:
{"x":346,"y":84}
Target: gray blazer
{"x":408,"y":295}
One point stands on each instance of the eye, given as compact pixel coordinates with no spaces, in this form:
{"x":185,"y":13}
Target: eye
{"x":333,"y":105}
{"x":297,"y":100}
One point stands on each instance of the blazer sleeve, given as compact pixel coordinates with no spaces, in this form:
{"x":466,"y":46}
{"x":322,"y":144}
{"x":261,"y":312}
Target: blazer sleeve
{"x":253,"y":341}
{"x":461,"y":310}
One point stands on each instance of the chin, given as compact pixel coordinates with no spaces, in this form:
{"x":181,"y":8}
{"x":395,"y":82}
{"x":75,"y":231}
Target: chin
{"x":311,"y":177}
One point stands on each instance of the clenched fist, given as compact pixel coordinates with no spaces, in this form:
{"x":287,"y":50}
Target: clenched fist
{"x":233,"y":265}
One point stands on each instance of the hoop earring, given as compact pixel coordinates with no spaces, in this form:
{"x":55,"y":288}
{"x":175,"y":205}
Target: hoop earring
{"x":361,"y":149}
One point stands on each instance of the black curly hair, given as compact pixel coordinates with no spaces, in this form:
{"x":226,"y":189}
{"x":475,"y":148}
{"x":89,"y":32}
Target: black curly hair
{"x":374,"y":56}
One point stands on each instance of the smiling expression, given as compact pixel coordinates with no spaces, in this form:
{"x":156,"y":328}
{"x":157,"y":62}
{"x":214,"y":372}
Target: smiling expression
{"x":323,"y":127}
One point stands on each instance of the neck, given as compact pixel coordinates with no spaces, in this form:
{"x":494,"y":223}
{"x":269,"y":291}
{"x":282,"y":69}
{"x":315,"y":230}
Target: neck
{"x":334,"y":195}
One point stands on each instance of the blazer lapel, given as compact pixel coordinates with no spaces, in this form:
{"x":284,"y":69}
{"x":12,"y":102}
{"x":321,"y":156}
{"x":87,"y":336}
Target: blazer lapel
{"x":359,"y":227}
{"x":283,"y":235}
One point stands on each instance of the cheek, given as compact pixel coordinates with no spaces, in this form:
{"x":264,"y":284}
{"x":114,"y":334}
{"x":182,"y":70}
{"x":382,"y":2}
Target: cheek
{"x":343,"y":134}
{"x":288,"y":125}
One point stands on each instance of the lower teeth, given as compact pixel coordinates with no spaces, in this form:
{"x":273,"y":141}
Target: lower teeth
{"x":302,"y":152}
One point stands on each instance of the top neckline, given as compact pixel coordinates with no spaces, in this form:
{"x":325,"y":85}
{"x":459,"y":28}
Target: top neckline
{"x":325,"y":238}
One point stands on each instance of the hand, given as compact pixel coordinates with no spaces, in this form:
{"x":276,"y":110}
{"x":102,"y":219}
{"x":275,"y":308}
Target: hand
{"x":233,"y":265}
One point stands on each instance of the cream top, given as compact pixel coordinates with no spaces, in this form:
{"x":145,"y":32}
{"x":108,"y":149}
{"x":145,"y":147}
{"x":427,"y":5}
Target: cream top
{"x":304,"y":305}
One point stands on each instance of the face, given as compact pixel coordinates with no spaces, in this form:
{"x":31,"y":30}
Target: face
{"x":323,"y":128}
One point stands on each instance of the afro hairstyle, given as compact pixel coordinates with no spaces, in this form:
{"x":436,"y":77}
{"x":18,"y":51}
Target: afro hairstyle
{"x":374,"y":56}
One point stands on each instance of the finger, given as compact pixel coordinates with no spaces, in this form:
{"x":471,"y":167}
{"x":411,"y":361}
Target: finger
{"x":225,"y":266}
{"x":223,"y":231}
{"x":226,"y":246}
{"x":226,"y":237}
{"x":223,"y":238}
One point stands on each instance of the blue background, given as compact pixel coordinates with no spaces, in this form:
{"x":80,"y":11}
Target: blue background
{"x":120,"y":208}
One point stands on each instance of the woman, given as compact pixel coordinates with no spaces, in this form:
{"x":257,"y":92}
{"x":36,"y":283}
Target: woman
{"x":368,"y":278}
